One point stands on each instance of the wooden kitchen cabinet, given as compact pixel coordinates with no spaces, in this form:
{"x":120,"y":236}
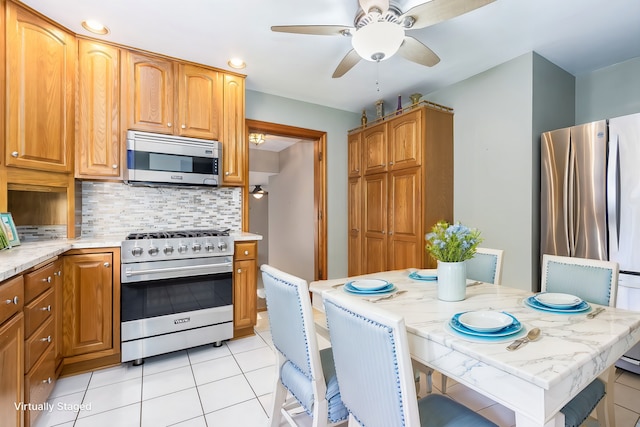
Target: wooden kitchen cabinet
{"x":39,"y":334}
{"x":406,"y":187}
{"x":245,"y":269}
{"x":173,"y":97}
{"x":11,"y":369}
{"x":99,"y":149}
{"x":150,"y":93}
{"x":91,"y":310}
{"x":40,"y":99}
{"x":234,"y":149}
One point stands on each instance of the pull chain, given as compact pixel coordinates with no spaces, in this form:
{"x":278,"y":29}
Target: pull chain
{"x":378,"y":76}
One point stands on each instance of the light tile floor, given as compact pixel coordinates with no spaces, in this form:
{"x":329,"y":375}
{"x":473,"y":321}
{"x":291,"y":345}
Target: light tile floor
{"x":228,"y":386}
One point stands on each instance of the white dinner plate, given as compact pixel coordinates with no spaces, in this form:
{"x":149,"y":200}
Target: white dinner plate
{"x":485,"y":320}
{"x":369,"y":284}
{"x":557,"y":300}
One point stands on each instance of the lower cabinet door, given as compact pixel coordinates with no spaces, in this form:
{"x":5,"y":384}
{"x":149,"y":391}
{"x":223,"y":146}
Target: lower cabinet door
{"x":39,"y":383}
{"x":11,"y":372}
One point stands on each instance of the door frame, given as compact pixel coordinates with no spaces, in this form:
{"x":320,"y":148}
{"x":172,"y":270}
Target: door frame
{"x":319,"y":139}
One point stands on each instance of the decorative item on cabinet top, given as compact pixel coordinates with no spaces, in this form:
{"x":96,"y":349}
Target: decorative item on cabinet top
{"x":380,"y":108}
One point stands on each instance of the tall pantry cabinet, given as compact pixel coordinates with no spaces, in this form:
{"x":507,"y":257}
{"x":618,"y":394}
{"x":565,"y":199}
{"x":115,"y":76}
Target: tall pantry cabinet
{"x":400,"y":184}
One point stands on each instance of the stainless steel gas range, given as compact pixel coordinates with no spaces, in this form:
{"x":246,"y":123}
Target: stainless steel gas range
{"x":176,"y":291}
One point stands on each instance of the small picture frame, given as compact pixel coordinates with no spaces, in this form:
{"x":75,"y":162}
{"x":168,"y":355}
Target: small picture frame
{"x":9,"y":229}
{"x":4,"y":243}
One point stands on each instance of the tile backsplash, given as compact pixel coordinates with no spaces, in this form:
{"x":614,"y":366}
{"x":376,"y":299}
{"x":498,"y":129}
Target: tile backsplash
{"x":113,"y":208}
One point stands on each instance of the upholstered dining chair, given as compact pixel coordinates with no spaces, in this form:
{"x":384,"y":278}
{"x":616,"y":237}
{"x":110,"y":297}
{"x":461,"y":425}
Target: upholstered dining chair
{"x":486,"y":266}
{"x":594,"y":281}
{"x":302,"y":369}
{"x":373,"y":366}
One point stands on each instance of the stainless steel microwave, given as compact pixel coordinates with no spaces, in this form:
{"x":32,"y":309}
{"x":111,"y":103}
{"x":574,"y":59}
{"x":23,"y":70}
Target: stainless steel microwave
{"x":166,"y":159}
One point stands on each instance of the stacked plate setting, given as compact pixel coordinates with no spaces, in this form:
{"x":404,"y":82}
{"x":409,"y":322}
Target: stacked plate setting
{"x":369,"y":287}
{"x":424,"y":275}
{"x":557,"y":303}
{"x":486,"y":325}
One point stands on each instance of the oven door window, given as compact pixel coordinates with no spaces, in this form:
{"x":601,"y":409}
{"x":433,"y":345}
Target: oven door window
{"x":142,"y":300}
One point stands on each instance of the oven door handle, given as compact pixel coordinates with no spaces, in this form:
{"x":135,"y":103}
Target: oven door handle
{"x":129,"y":272}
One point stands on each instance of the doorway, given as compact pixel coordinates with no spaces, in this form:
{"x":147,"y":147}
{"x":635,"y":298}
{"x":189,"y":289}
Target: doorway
{"x":317,"y":201}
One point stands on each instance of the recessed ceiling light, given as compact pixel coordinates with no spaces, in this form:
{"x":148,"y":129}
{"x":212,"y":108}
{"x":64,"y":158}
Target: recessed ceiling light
{"x":95,"y":27}
{"x":236,"y":63}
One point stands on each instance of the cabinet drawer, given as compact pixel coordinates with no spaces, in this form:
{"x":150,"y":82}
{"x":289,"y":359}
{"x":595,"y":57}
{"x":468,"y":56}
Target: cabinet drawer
{"x":11,"y":297}
{"x":37,"y":343}
{"x":38,"y":281}
{"x":37,"y":311}
{"x":245,"y":250}
{"x":38,"y":383}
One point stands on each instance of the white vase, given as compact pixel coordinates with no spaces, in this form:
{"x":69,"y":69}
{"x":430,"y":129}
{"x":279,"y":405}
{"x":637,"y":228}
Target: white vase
{"x":452,"y":281}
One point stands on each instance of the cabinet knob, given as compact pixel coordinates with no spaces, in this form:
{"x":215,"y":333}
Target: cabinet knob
{"x":14,"y":154}
{"x":390,"y":233}
{"x":48,"y":279}
{"x":47,"y":308}
{"x":46,"y":339}
{"x":106,"y":264}
{"x":184,"y":126}
{"x":114,"y":166}
{"x":58,"y":273}
{"x":383,"y":232}
{"x":239,"y":271}
{"x":169,"y":124}
{"x":226,"y":173}
{"x":47,"y":381}
{"x":15,"y":300}
{"x":246,"y":252}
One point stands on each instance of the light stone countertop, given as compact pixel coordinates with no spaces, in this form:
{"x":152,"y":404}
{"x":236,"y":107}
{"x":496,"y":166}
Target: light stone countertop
{"x":28,"y":254}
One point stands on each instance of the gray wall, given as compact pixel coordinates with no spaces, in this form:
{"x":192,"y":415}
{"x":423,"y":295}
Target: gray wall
{"x":291,"y":212}
{"x":609,"y":92}
{"x":275,"y":109}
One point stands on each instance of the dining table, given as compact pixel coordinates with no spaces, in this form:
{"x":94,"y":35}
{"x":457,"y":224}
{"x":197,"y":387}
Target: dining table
{"x":535,"y":381}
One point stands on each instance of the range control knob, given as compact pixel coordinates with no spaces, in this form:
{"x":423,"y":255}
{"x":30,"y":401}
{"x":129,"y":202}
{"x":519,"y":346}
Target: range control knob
{"x":182,"y":249}
{"x":168,"y":250}
{"x":137,"y":251}
{"x":209,"y":247}
{"x":153,"y":251}
{"x":196,"y":247}
{"x":222,"y":246}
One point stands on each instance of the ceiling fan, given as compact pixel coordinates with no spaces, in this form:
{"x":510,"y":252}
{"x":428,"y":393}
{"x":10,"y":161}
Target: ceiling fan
{"x":379,"y":30}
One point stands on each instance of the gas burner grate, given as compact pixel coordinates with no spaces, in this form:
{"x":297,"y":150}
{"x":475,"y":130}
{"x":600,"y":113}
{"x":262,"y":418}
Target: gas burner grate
{"x":177,"y":234}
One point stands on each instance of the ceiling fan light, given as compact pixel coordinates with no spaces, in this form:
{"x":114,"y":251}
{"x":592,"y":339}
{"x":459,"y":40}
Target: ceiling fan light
{"x":378,"y":41}
{"x":256,"y":138}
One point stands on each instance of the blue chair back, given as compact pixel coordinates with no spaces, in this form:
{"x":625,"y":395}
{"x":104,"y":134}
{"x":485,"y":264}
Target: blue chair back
{"x":485,"y":266}
{"x":592,"y":280}
{"x":373,"y":365}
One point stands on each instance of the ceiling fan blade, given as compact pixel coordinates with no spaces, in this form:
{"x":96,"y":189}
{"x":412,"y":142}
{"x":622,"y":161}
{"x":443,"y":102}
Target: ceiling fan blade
{"x":319,"y":30}
{"x":347,"y":63}
{"x":366,"y":5}
{"x":415,"y":51}
{"x":435,"y":11}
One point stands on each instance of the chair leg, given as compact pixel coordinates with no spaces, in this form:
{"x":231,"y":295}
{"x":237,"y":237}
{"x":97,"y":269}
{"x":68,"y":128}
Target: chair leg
{"x":444,"y":384}
{"x":600,"y":413}
{"x":609,"y":398}
{"x":320,"y":413}
{"x":277,"y":401}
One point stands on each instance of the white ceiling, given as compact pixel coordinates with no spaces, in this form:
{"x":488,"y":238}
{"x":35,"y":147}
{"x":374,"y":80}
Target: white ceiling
{"x":578,"y":35}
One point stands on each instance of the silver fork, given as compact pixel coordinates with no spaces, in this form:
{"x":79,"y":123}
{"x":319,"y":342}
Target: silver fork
{"x":386,"y":297}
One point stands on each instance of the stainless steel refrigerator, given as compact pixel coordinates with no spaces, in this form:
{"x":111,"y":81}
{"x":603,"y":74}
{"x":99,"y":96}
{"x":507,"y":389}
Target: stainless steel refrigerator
{"x":590,"y":201}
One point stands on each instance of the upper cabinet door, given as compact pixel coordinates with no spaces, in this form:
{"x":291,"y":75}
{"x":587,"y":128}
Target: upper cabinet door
{"x":98,"y":147}
{"x":149,"y":93}
{"x":405,"y":141}
{"x":374,"y":144}
{"x":40,"y":97}
{"x":354,"y":144}
{"x":234,"y":162}
{"x":199,"y":102}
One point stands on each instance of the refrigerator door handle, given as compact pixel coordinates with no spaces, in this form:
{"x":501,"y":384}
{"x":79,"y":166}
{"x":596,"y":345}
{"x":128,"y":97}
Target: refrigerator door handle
{"x":612,"y":195}
{"x":570,"y":202}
